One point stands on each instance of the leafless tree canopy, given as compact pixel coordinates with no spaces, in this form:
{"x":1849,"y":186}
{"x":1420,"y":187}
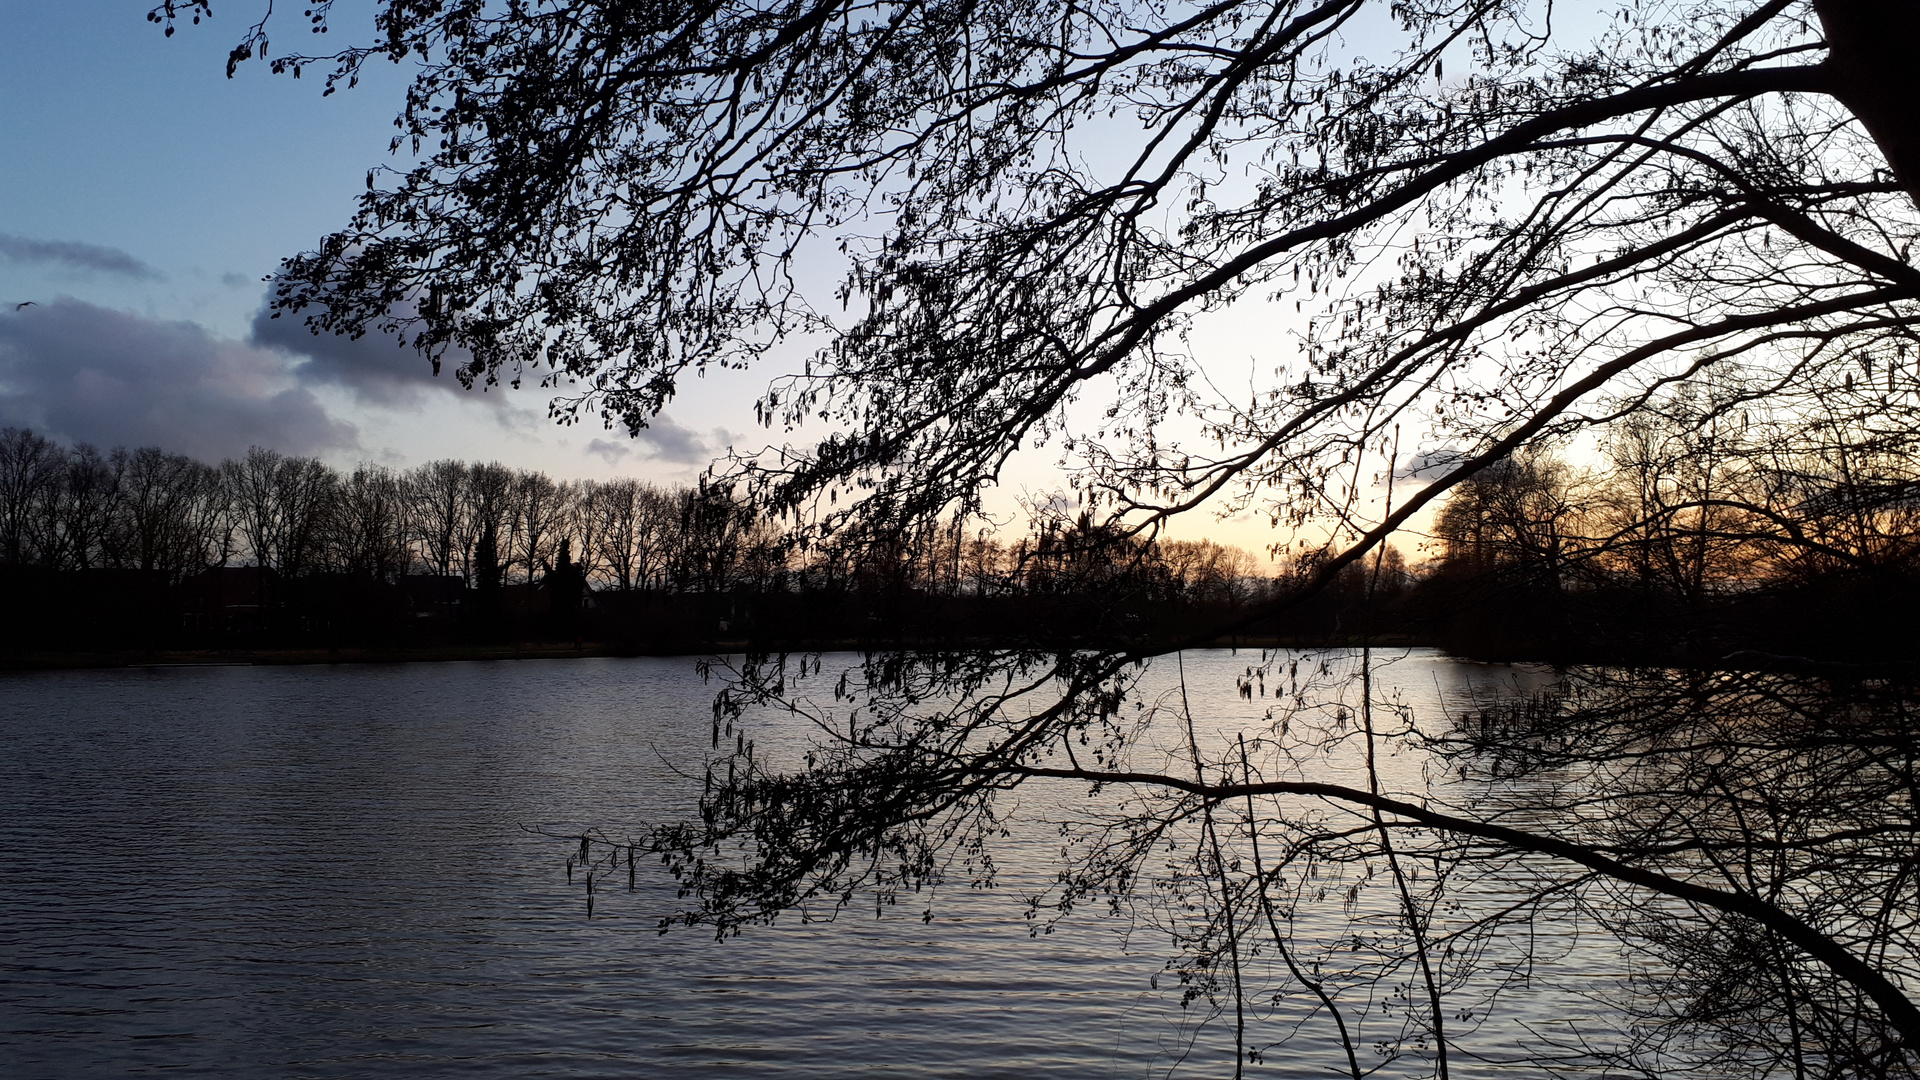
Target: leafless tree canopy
{"x":1489,"y":224}
{"x":1506,"y":219}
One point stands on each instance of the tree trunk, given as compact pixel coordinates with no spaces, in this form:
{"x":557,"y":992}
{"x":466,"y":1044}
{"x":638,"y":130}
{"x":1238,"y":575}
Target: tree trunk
{"x":1871,"y":46}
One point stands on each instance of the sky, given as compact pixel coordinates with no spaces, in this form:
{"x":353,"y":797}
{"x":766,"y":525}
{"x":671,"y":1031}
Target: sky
{"x":145,"y":197}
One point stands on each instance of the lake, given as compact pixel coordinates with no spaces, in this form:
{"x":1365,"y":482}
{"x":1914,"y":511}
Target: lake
{"x":342,"y":871}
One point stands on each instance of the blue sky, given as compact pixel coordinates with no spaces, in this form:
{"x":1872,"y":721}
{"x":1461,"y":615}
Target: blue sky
{"x":143,"y":198}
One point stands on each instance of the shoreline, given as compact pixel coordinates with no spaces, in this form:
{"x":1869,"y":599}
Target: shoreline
{"x":21,"y":661}
{"x":76,"y":659}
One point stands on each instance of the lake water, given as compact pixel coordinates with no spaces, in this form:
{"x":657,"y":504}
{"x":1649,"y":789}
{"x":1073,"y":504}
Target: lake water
{"x":340,"y":871}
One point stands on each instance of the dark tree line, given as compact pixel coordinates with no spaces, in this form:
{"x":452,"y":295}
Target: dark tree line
{"x":477,"y":543}
{"x":1703,"y":526}
{"x":168,"y":515}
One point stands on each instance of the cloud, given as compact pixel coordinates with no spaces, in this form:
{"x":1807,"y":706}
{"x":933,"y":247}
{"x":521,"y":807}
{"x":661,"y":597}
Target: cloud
{"x":1428,"y":465}
{"x":609,"y":451}
{"x":671,"y":442}
{"x":90,"y":374}
{"x":667,"y":441}
{"x":72,"y":255}
{"x":374,"y":366}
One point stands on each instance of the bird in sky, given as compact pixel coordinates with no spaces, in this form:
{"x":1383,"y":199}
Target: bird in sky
{"x":24,"y":304}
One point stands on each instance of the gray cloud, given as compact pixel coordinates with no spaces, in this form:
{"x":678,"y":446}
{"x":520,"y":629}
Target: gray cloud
{"x":609,"y":451}
{"x":671,"y":442}
{"x":73,"y":255}
{"x":90,"y":374}
{"x":665,"y":440}
{"x":374,"y":367}
{"x":1428,"y":465}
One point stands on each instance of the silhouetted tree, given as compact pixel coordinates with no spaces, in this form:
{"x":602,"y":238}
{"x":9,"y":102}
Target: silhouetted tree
{"x":541,"y":509}
{"x":88,"y":500}
{"x":1033,"y":202}
{"x":370,"y":524}
{"x":1507,"y":223}
{"x":488,"y":508}
{"x":29,"y":465}
{"x":437,"y":493}
{"x":1517,"y":514}
{"x":566,"y":585}
{"x":174,"y":516}
{"x":487,"y":575}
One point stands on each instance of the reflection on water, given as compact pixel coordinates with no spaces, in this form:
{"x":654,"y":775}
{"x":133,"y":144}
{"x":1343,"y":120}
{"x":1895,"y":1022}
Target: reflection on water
{"x":334,"y":872}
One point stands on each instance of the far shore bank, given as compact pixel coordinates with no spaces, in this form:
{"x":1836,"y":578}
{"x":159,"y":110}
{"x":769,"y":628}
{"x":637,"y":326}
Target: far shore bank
{"x":50,"y":660}
{"x":1898,"y":670}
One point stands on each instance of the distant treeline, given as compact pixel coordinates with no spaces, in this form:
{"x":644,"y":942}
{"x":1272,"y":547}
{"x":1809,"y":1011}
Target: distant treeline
{"x":1686,"y":538}
{"x":1669,"y":548}
{"x":145,"y":548}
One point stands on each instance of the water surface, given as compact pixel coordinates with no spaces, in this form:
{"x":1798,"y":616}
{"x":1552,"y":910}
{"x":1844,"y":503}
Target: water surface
{"x":339,"y":871}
